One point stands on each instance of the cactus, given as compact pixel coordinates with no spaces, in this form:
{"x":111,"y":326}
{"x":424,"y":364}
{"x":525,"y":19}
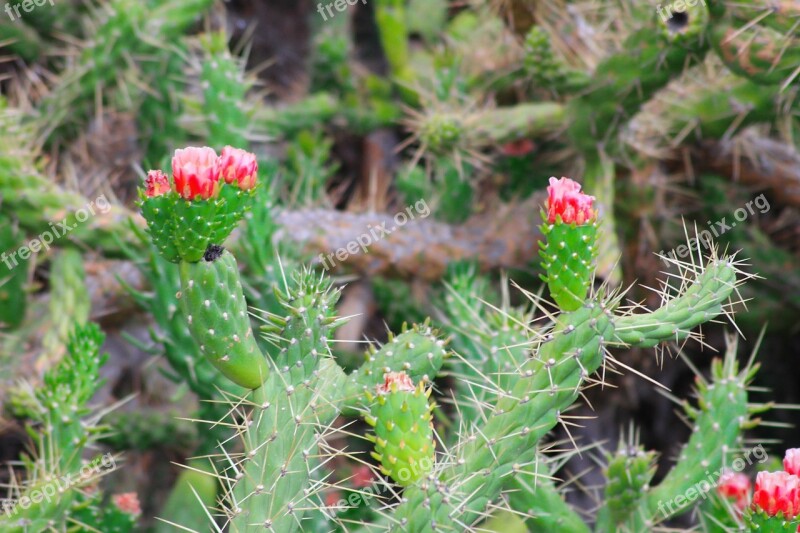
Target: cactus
{"x":298,"y":389}
{"x":69,"y":426}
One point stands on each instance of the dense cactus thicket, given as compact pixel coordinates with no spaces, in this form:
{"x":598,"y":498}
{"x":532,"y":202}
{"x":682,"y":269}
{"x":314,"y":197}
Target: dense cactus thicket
{"x":399,"y":265}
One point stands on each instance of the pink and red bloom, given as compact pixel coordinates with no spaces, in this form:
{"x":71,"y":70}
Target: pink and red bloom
{"x":791,"y":461}
{"x":156,"y":184}
{"x":735,"y":486}
{"x":128,"y":502}
{"x":196,"y":173}
{"x":238,"y":167}
{"x":777,"y":493}
{"x":565,"y":200}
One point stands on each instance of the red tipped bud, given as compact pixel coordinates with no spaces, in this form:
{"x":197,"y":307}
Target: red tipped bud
{"x":156,"y":183}
{"x":239,"y":167}
{"x":196,"y":173}
{"x":395,"y":381}
{"x":128,"y":502}
{"x":735,"y":486}
{"x":566,"y":200}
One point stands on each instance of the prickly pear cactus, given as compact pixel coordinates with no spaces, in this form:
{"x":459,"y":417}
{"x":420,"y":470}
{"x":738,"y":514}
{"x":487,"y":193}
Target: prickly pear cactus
{"x":518,"y":379}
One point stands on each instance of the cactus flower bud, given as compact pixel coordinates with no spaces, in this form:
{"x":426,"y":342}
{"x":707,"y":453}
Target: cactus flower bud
{"x":395,"y":381}
{"x":196,"y":172}
{"x":128,"y":502}
{"x":566,"y":200}
{"x":156,"y":184}
{"x":791,"y":461}
{"x":735,"y":486}
{"x":239,"y":167}
{"x":777,"y":492}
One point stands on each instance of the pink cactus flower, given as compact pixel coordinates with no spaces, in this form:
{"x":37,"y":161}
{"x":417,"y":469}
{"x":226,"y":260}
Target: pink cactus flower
{"x":777,"y":492}
{"x":156,"y":183}
{"x":395,"y":381}
{"x":791,"y":461}
{"x":128,"y":502}
{"x":735,"y":486}
{"x":566,"y":200}
{"x":239,"y":167}
{"x":196,"y":173}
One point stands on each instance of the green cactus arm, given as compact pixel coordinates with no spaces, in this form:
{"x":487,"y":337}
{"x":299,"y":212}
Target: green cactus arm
{"x":216,"y":312}
{"x":628,"y":474}
{"x":13,"y":277}
{"x":700,"y":302}
{"x":417,"y":350}
{"x":70,"y":302}
{"x":191,"y":498}
{"x":280,"y":440}
{"x":717,"y":427}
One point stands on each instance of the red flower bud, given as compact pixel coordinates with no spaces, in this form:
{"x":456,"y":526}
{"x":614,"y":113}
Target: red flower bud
{"x":736,"y":486}
{"x":239,"y":166}
{"x":395,"y":381}
{"x":128,"y":502}
{"x":778,"y":492}
{"x":156,"y":183}
{"x":791,"y":461}
{"x":196,"y":173}
{"x":566,"y":200}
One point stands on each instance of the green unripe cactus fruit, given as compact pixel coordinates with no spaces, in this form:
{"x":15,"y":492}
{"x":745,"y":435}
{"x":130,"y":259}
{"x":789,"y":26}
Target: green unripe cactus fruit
{"x":216,"y":311}
{"x":759,"y":521}
{"x":401,"y":416}
{"x":568,"y":257}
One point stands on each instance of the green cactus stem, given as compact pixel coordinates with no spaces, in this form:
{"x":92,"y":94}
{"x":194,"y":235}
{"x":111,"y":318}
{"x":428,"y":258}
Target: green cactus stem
{"x":702,"y":299}
{"x":281,"y":437}
{"x":718,"y":422}
{"x":628,"y":473}
{"x":400,"y":414}
{"x":213,"y":303}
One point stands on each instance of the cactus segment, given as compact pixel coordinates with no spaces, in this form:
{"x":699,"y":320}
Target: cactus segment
{"x":568,"y":258}
{"x":629,"y":472}
{"x":417,"y":351}
{"x":216,"y":311}
{"x":281,"y":439}
{"x":759,"y":53}
{"x":718,"y":423}
{"x":400,"y":414}
{"x":699,"y":303}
